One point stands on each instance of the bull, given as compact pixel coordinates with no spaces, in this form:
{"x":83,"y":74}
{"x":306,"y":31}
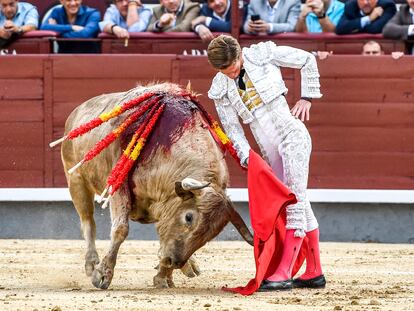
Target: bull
{"x":179,"y":183}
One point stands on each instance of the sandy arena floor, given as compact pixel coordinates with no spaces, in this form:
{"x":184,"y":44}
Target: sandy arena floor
{"x":48,"y":275}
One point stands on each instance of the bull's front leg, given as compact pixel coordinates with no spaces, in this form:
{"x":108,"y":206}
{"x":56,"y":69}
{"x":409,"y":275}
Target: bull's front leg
{"x":164,"y":278}
{"x":120,"y":209}
{"x":191,"y":268}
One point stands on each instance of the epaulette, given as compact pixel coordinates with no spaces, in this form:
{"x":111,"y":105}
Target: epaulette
{"x":218,"y":87}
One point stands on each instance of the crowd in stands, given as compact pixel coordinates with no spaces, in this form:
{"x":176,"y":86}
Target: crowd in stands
{"x":72,"y":19}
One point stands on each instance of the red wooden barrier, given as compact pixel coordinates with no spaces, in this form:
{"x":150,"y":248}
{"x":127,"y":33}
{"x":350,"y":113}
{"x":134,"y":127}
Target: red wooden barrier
{"x":176,"y":43}
{"x":362,"y":128}
{"x":33,"y":42}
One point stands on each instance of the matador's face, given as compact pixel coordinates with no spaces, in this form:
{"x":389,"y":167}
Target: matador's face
{"x":233,"y":70}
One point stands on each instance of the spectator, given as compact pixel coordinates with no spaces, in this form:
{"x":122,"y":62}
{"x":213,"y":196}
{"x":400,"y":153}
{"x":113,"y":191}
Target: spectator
{"x":273,"y":16}
{"x":366,"y":16}
{"x":125,"y":16}
{"x":372,"y":48}
{"x":320,"y":16}
{"x":74,"y":20}
{"x":173,"y":15}
{"x":16,"y":18}
{"x":215,"y":16}
{"x":401,"y":26}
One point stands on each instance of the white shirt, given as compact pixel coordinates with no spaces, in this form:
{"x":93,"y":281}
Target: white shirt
{"x":272,"y":12}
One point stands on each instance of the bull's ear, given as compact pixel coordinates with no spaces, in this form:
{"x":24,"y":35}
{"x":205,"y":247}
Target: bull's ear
{"x":184,"y":194}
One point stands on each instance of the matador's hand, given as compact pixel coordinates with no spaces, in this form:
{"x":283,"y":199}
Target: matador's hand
{"x":301,"y":109}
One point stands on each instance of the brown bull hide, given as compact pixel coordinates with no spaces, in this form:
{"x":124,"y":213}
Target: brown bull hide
{"x":180,"y":147}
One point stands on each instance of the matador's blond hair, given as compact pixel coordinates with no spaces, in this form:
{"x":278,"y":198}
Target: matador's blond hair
{"x":223,"y":51}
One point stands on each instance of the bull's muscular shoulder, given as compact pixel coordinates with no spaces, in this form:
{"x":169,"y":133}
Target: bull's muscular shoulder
{"x":261,"y":53}
{"x":218,"y":87}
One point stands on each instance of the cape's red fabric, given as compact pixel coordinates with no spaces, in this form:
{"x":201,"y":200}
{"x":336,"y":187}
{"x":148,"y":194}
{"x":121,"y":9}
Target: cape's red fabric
{"x":268,"y":198}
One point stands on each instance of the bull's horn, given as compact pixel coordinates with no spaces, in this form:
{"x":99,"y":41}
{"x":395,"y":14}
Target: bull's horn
{"x":193,"y":184}
{"x":240,"y":225}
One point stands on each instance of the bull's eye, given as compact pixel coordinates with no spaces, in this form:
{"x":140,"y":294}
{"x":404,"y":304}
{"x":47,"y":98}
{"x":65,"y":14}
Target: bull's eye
{"x":189,"y":218}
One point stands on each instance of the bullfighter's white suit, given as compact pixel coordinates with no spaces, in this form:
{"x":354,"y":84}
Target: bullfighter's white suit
{"x":283,"y":139}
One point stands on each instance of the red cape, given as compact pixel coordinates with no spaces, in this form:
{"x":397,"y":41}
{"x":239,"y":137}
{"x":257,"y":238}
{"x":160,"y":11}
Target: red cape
{"x":268,"y":198}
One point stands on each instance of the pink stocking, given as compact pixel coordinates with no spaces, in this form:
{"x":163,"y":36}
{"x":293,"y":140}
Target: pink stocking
{"x":313,"y":261}
{"x":291,"y":249}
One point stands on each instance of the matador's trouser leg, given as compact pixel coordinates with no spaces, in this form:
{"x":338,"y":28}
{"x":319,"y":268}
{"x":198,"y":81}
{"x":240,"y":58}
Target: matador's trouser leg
{"x":286,"y":145}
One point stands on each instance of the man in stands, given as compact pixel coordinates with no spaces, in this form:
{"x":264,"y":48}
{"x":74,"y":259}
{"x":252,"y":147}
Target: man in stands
{"x":365,"y":16}
{"x":401,"y":26}
{"x":372,"y":48}
{"x":320,"y":16}
{"x":74,"y":20}
{"x":173,"y":15}
{"x":16,"y":18}
{"x":215,"y":16}
{"x":125,"y":16}
{"x":271,"y":16}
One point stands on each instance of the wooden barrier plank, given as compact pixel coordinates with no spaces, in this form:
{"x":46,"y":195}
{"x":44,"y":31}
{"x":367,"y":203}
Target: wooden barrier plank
{"x":361,"y":90}
{"x":363,"y":67}
{"x":360,"y":139}
{"x":21,"y":89}
{"x":362,"y":164}
{"x":62,"y":111}
{"x":128,"y":67}
{"x":59,"y":178}
{"x":21,"y":158}
{"x":360,"y":182}
{"x":21,"y":145}
{"x":31,"y":46}
{"x":28,"y":134}
{"x":48,"y":121}
{"x":178,"y":46}
{"x":60,"y":181}
{"x":395,"y":115}
{"x":21,"y":178}
{"x":76,"y":91}
{"x":21,"y":111}
{"x":338,"y":47}
{"x":12,"y":67}
{"x":113,"y":46}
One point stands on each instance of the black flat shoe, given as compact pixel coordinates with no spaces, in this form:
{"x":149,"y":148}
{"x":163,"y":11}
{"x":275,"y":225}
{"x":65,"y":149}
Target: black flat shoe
{"x":316,"y":282}
{"x":268,"y":286}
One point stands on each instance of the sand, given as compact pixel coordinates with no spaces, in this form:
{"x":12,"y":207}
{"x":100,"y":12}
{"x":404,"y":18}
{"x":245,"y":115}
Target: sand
{"x":48,"y":275}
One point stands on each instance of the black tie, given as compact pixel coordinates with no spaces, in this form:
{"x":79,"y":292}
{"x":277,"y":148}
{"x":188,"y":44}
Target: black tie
{"x":242,"y":86}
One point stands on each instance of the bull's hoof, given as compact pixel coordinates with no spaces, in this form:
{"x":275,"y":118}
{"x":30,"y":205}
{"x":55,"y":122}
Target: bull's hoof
{"x":170,"y":283}
{"x":101,"y":280}
{"x":91,"y":261}
{"x":191,"y":269}
{"x":162,"y":282}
